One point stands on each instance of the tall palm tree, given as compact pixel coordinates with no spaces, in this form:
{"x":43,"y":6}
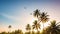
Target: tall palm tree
{"x":44,"y":18}
{"x":36,"y":25}
{"x":36,"y":13}
{"x":54,"y":28}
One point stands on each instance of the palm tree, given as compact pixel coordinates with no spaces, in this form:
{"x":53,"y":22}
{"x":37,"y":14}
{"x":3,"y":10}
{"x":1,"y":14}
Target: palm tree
{"x":28,"y":28}
{"x":54,"y":28}
{"x":9,"y":28}
{"x":36,"y":13}
{"x":36,"y":25}
{"x":44,"y":18}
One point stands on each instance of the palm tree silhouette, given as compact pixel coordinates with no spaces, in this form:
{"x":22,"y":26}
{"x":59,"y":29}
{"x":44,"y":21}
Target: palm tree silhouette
{"x":9,"y":28}
{"x":54,"y":28}
{"x":43,"y":18}
{"x":36,"y":25}
{"x":28,"y":27}
{"x":36,"y":13}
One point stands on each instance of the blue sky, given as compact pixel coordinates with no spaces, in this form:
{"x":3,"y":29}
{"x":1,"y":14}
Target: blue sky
{"x":17,"y":13}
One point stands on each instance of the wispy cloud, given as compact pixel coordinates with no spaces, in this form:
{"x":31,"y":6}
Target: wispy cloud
{"x":20,"y":19}
{"x":11,"y":17}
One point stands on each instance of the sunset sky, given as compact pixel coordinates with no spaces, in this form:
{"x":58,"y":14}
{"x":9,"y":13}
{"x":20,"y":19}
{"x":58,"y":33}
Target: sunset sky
{"x":17,"y":13}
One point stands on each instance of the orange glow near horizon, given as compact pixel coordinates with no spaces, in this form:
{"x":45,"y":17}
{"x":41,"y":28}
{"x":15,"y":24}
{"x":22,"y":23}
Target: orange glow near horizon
{"x":31,"y":23}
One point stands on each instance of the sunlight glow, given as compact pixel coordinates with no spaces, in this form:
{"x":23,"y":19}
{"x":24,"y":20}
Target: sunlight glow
{"x":41,"y":24}
{"x":35,"y":30}
{"x":32,"y":20}
{"x":45,"y":26}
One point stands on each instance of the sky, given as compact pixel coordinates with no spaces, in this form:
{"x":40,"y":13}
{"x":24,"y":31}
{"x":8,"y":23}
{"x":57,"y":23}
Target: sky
{"x":17,"y":13}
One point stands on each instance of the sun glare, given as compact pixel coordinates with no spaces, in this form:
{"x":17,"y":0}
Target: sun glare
{"x":32,"y":20}
{"x":45,"y":26}
{"x":41,"y":24}
{"x":35,"y":30}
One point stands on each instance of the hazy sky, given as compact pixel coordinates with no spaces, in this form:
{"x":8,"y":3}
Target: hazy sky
{"x":17,"y":13}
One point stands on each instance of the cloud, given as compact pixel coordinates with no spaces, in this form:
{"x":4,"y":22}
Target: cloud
{"x":20,"y":19}
{"x":11,"y":17}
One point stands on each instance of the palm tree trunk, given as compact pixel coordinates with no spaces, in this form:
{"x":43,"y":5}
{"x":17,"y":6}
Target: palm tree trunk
{"x":10,"y":30}
{"x":43,"y":28}
{"x":29,"y":32}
